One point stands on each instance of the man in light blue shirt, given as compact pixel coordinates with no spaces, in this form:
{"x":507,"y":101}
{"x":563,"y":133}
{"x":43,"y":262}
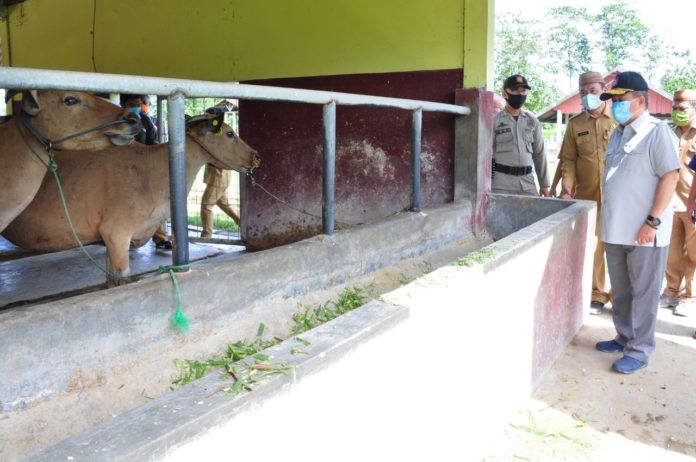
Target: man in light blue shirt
{"x":640,"y":175}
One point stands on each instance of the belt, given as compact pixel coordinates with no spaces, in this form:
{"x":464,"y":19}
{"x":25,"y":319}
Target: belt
{"x":516,"y":171}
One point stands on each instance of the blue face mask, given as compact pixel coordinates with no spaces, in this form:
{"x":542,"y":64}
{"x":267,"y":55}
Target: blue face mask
{"x":621,"y":110}
{"x":134,"y":110}
{"x":591,"y":102}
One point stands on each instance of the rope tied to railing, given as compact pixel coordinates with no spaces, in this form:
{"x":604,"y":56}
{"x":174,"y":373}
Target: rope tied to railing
{"x":179,"y":321}
{"x":256,"y":184}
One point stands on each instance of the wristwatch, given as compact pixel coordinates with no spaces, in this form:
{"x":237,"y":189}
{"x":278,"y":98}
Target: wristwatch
{"x":653,"y":222}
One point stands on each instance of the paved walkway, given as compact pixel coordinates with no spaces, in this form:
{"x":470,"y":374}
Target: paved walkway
{"x":585,"y":412}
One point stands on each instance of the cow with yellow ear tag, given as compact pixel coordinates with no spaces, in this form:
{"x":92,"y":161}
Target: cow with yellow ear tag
{"x":119,"y":196}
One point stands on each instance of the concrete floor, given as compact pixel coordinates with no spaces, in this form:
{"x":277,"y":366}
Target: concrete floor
{"x":585,"y":412}
{"x":42,"y":276}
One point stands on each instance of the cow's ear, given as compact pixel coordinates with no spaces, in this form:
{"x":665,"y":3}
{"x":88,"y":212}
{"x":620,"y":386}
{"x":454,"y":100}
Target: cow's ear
{"x":9,"y":94}
{"x":205,"y":123}
{"x":218,"y":118}
{"x":196,"y":124}
{"x":30,"y":102}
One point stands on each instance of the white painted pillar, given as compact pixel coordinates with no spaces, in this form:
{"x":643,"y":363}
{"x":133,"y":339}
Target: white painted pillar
{"x":559,"y":121}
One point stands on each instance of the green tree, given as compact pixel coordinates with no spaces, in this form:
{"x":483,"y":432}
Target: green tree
{"x":622,"y":33}
{"x":682,"y":74}
{"x":569,"y":40}
{"x":520,"y":49}
{"x":195,"y":106}
{"x":653,"y":56}
{"x":192,"y":106}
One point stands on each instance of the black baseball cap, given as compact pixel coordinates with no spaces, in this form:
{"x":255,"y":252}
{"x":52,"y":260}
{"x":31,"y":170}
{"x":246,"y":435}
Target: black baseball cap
{"x":516,"y":81}
{"x":625,"y":82}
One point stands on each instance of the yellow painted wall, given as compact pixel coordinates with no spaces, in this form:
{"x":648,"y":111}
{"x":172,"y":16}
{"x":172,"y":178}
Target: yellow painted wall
{"x":4,"y":24}
{"x":479,"y":34}
{"x":247,"y":39}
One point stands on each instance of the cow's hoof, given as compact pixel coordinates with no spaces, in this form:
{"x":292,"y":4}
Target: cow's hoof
{"x":114,"y":282}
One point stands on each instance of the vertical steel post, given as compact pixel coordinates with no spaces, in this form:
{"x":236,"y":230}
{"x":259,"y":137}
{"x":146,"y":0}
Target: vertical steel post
{"x":415,"y":159}
{"x":160,"y":120}
{"x":328,"y":200}
{"x":177,"y":177}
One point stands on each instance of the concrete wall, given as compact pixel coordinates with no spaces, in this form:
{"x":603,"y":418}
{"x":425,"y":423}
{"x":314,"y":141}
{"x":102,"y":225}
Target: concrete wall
{"x":373,"y":155}
{"x":432,"y":384}
{"x":115,"y":344}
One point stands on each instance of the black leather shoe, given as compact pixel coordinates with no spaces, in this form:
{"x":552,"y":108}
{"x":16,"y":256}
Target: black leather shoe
{"x":164,"y":245}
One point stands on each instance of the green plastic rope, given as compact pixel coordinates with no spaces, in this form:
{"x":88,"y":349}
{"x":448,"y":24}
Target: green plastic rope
{"x":53,"y":168}
{"x":179,"y":321}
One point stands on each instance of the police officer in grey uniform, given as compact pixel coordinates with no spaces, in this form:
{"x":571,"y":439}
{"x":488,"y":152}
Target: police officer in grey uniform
{"x":518,"y":144}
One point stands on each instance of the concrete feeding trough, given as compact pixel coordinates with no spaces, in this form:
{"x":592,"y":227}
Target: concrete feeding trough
{"x":411,"y":374}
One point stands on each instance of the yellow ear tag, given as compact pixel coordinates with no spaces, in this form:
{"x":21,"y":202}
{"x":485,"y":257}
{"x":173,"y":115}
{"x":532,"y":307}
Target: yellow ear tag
{"x":215,"y":124}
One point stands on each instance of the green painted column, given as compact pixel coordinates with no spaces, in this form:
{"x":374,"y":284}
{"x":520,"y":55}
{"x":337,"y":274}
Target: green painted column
{"x":479,"y":29}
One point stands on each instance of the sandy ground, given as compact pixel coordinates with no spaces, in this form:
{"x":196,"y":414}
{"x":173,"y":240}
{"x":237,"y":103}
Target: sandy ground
{"x":583,"y":411}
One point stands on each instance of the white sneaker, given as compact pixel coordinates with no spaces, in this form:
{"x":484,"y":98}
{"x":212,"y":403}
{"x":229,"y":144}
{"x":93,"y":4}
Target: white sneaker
{"x":682,"y":309}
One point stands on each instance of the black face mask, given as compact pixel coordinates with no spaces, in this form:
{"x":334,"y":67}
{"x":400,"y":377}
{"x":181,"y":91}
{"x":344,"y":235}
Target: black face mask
{"x":515,"y":101}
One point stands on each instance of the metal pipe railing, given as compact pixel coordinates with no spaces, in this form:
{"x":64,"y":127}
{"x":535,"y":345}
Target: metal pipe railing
{"x":160,"y":120}
{"x":32,"y":79}
{"x":417,"y":125}
{"x":177,"y":178}
{"x":177,"y":89}
{"x":328,"y":205}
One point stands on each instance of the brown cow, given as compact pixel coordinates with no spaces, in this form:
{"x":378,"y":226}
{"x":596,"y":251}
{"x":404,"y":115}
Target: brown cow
{"x":121,"y":195}
{"x":52,"y":115}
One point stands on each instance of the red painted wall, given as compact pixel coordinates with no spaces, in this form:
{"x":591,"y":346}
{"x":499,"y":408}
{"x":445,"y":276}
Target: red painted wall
{"x":373,"y":150}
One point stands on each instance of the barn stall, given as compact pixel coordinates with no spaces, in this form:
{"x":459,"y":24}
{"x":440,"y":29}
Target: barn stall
{"x":80,"y":365}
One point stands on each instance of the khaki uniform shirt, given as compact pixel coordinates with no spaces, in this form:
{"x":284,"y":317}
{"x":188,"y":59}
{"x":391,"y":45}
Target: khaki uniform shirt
{"x":582,"y":152}
{"x":216,"y":176}
{"x":687,"y":148}
{"x":518,"y":143}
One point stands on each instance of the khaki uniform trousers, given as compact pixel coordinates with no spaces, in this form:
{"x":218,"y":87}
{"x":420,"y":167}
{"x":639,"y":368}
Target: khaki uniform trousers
{"x":212,"y":196}
{"x":599,"y":293}
{"x":681,"y":260}
{"x":599,"y":265}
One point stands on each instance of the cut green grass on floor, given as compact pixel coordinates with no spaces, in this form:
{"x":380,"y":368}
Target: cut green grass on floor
{"x":475,"y":258}
{"x":243,"y":374}
{"x":312,"y":316}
